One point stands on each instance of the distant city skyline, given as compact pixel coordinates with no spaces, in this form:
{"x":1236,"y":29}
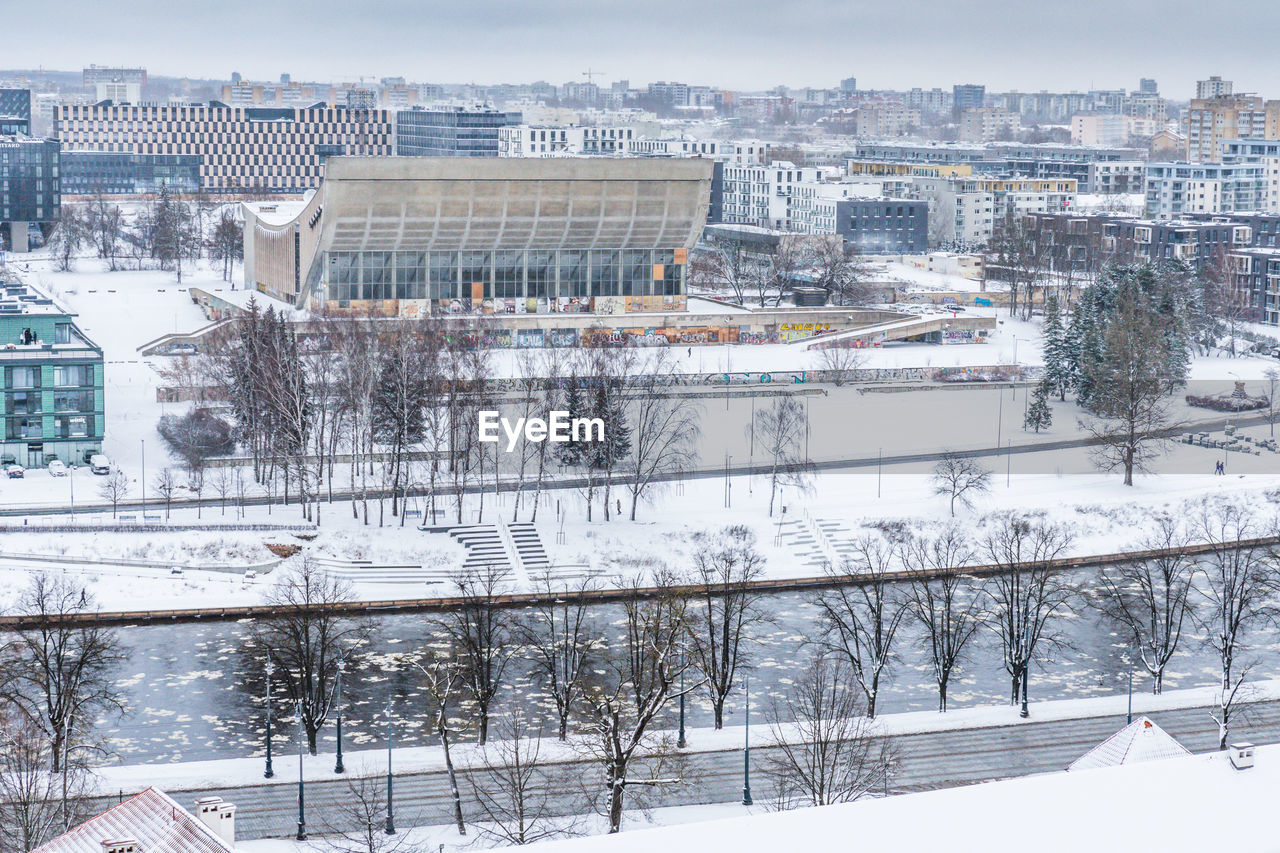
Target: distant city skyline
{"x":1079,"y":46}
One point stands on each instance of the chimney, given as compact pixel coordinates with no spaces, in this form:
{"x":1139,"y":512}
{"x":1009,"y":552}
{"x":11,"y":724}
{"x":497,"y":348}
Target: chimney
{"x":218,"y":816}
{"x":120,"y":845}
{"x":1241,"y":755}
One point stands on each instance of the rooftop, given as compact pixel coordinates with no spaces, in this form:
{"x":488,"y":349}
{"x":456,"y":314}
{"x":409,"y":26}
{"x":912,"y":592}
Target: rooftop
{"x":152,"y":819}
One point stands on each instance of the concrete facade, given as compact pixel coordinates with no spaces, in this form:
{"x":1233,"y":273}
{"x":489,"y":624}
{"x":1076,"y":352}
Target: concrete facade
{"x":417,"y":235}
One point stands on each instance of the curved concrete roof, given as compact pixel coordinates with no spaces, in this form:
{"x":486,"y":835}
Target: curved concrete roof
{"x":461,"y":203}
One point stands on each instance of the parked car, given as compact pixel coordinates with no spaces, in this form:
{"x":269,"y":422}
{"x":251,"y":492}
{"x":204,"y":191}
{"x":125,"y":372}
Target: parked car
{"x":99,"y":464}
{"x":57,"y":468}
{"x":15,"y":471}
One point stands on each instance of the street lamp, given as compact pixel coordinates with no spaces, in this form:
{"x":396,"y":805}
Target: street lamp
{"x":1026,"y":663}
{"x":144,"y":479}
{"x":302,"y":798}
{"x":338,"y":768}
{"x":391,"y":823}
{"x":268,"y":773}
{"x":680,"y":740}
{"x":746,"y":754}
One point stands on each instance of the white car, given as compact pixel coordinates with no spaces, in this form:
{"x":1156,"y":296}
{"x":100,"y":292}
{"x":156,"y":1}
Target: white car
{"x":57,"y":468}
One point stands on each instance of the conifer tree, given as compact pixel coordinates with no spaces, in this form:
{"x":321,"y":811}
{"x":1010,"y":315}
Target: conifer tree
{"x":1039,"y":414}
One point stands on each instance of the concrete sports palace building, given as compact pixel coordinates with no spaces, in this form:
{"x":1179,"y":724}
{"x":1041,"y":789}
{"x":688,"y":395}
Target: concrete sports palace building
{"x":453,"y":235}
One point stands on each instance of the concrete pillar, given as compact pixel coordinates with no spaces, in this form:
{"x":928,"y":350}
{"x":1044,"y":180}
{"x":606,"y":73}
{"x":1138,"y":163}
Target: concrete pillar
{"x":18,"y":237}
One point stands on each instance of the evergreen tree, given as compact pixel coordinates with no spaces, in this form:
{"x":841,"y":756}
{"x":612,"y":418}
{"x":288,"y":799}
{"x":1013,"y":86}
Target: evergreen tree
{"x":1058,"y":357}
{"x":1039,"y":414}
{"x":573,"y":453}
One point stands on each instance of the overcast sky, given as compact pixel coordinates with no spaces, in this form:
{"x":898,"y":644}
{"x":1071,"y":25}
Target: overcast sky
{"x":1023,"y":44}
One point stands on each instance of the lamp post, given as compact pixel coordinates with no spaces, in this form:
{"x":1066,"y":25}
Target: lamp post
{"x":680,"y":740}
{"x":268,"y":773}
{"x":391,"y":823}
{"x":337,"y":767}
{"x":746,"y":754}
{"x":1025,"y":712}
{"x":302,"y":795}
{"x":144,"y":478}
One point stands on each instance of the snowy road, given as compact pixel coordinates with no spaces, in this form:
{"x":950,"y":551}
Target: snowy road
{"x":923,"y":761}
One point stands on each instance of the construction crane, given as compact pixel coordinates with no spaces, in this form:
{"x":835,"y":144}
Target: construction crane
{"x":591,"y":75}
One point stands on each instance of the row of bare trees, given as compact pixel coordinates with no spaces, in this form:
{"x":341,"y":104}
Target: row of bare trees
{"x":168,"y":232}
{"x":747,"y":274}
{"x":402,"y":400}
{"x":57,"y":680}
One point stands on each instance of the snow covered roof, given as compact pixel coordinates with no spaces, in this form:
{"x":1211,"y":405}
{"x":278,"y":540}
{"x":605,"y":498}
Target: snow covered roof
{"x":152,"y":819}
{"x":1185,"y":805}
{"x":1141,"y":740}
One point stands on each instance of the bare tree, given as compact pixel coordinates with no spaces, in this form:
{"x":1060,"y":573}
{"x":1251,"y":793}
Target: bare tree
{"x":224,"y":485}
{"x":510,"y":786}
{"x":728,"y":266}
{"x":35,"y":804}
{"x":226,"y":245}
{"x":826,"y":749}
{"x":838,"y":362}
{"x":781,"y":431}
{"x":1149,"y":599}
{"x":1272,"y":377}
{"x":860,"y":620}
{"x":114,"y":488}
{"x":837,"y":269}
{"x":1027,"y":598}
{"x":356,"y":822}
{"x":1237,"y":589}
{"x":166,"y":485}
{"x":725,"y":566}
{"x":480,"y":630}
{"x":443,"y":676}
{"x":960,"y":478}
{"x":305,"y":636}
{"x":559,"y":637}
{"x":943,"y":601}
{"x":665,"y":429}
{"x":635,"y":678}
{"x":64,"y":671}
{"x":71,"y":234}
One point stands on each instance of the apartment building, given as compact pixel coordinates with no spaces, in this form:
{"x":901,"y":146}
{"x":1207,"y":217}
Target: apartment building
{"x":884,"y":120}
{"x":857,"y":212}
{"x":1085,"y":242}
{"x":1213,"y":120}
{"x":242,"y":149}
{"x":52,"y":377}
{"x":967,"y":209}
{"x":761,"y":195}
{"x":15,"y":112}
{"x":559,"y":140}
{"x":1264,"y":152}
{"x":1178,"y":189}
{"x":987,"y":124}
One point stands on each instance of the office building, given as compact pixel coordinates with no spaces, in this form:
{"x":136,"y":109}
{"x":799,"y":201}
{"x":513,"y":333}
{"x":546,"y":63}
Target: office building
{"x":274,"y":150}
{"x":30,"y":190}
{"x":114,"y":173}
{"x":412,"y":236}
{"x":451,"y":131}
{"x":1148,"y":86}
{"x":53,"y":382}
{"x":15,"y":112}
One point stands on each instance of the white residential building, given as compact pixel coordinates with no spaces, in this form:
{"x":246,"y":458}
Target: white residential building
{"x":1178,"y":189}
{"x":761,"y":195}
{"x":526,"y":140}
